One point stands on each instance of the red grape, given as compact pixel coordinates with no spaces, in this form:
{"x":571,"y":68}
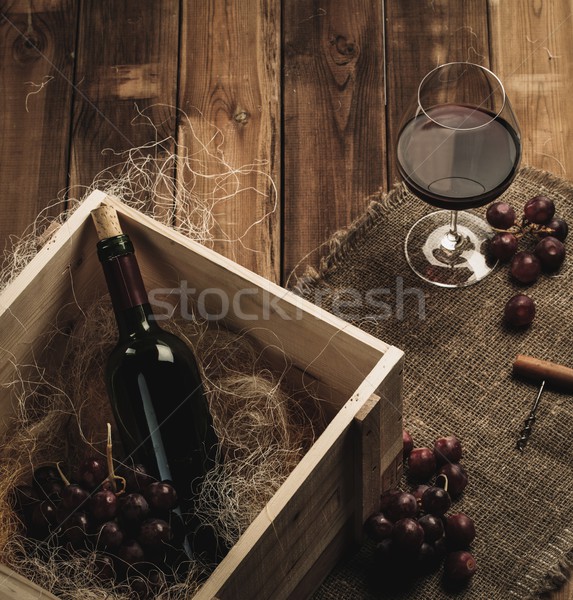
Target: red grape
{"x":525,"y":267}
{"x":75,"y":528}
{"x":44,"y":516}
{"x":161,"y":496}
{"x":378,"y":527}
{"x":103,"y":505}
{"x":539,"y":210}
{"x":92,"y":472}
{"x":500,"y":215}
{"x":519,"y":311}
{"x":407,"y":443}
{"x":109,"y":535}
{"x":136,"y":477}
{"x":428,"y":559}
{"x":407,"y":535}
{"x":154,"y":534}
{"x":447,"y":449}
{"x":103,"y":568}
{"x":384,"y":550}
{"x":559,"y":229}
{"x":421,"y":463}
{"x":433,"y":527}
{"x":387,"y":497}
{"x":436,"y":501}
{"x":418,"y":492}
{"x":503,"y":245}
{"x":551,"y":252}
{"x":459,"y":567}
{"x":402,"y":505}
{"x":133,"y":508}
{"x":73,"y":496}
{"x":455,"y":476}
{"x":130,"y":552}
{"x":441,"y":547}
{"x":460,"y":531}
{"x":48,"y":482}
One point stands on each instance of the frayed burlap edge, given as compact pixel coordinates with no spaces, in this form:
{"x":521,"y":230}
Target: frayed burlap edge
{"x":344,"y":240}
{"x":340,"y":247}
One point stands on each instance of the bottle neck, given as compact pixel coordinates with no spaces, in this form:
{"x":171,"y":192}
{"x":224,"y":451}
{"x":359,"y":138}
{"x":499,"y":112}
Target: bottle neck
{"x":135,"y":321}
{"x":128,"y":295}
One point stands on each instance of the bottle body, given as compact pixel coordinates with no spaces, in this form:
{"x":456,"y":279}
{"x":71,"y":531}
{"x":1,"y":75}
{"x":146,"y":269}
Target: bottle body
{"x":160,"y":409}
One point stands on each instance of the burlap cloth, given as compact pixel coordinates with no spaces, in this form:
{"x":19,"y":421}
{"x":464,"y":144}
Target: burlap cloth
{"x":458,"y":380}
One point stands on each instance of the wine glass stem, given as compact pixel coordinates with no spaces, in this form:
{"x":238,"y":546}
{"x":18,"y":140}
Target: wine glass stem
{"x":453,"y":234}
{"x":451,"y":240}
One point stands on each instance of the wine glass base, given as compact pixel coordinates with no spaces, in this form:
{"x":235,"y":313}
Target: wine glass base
{"x":437,"y":258}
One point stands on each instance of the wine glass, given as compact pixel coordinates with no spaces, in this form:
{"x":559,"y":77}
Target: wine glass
{"x":458,"y":148}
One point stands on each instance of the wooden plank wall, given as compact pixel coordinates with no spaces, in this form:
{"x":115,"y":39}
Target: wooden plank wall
{"x":334,"y":119}
{"x":229,"y":97}
{"x":36,"y":76}
{"x":302,"y":98}
{"x":125,"y":80}
{"x":532,"y":50}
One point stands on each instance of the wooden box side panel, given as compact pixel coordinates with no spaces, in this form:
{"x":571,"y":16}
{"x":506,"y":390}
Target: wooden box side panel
{"x":305,"y":528}
{"x":379,"y":425}
{"x":391,"y":393}
{"x":15,"y":587}
{"x":293,"y":539}
{"x":46,"y":296}
{"x":378,"y":442}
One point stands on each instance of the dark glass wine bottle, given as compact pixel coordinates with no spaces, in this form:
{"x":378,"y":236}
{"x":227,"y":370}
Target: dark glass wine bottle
{"x":153,"y":381}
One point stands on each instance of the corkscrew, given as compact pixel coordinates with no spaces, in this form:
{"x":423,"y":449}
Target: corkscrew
{"x":546,"y":372}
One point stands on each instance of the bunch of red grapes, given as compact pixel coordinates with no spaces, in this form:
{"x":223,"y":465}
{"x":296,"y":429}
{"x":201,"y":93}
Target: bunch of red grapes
{"x":413,"y":530}
{"x":135,"y":531}
{"x":548,"y":232}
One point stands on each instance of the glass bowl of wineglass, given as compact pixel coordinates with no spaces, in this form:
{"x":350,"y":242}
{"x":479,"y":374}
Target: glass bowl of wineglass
{"x":458,"y":148}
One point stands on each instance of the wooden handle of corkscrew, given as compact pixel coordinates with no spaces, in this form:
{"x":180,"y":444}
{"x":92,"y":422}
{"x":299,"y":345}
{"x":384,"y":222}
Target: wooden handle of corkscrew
{"x":539,"y":370}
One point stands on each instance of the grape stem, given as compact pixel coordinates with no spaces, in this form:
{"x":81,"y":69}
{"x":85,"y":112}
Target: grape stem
{"x":64,"y":478}
{"x":112,"y":477}
{"x":445,"y":481}
{"x":524,"y":228}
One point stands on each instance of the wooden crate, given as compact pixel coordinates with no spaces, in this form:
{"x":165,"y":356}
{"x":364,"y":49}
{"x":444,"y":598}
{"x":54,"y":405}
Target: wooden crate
{"x":318,"y":513}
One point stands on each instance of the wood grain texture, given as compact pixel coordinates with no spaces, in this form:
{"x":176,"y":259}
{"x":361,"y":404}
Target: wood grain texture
{"x":230,"y":124}
{"x":16,"y":587}
{"x":126,"y":81}
{"x":334,"y":131}
{"x":534,"y":58}
{"x":421,"y":36}
{"x":36,"y":49}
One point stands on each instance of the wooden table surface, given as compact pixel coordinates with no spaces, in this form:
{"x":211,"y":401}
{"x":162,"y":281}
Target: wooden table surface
{"x":308,"y":93}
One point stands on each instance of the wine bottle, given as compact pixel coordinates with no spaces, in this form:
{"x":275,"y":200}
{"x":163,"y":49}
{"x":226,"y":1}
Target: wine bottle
{"x":152,"y":377}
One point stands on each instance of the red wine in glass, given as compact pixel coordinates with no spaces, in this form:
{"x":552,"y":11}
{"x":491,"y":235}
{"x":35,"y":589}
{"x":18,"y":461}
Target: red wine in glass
{"x":458,"y":148}
{"x":457,"y":157}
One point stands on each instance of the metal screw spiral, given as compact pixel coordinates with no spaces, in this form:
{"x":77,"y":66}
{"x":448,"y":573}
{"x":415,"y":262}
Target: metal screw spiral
{"x":528,"y":425}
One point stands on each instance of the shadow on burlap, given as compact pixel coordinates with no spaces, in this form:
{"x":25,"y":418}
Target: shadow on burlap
{"x":458,"y":381}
